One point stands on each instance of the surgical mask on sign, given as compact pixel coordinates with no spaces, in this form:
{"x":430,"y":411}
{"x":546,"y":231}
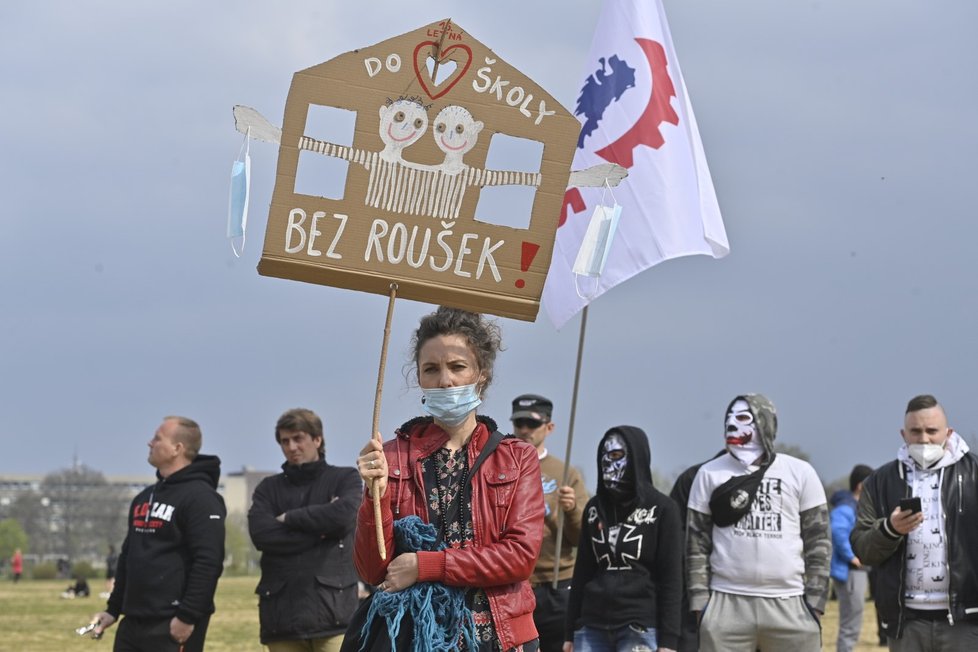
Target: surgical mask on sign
{"x":450,"y":405}
{"x":926,"y":455}
{"x":238,"y":195}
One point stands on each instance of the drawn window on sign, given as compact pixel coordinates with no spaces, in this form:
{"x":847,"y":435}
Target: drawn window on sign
{"x":510,"y":205}
{"x":325,"y":176}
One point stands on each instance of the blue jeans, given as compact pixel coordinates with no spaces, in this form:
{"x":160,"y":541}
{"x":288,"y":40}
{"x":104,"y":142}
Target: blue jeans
{"x":630,"y":638}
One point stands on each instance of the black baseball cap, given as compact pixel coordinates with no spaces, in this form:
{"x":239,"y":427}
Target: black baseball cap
{"x":532,"y":406}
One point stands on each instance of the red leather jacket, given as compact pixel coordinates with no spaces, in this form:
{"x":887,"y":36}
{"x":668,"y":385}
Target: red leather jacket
{"x":507,"y":520}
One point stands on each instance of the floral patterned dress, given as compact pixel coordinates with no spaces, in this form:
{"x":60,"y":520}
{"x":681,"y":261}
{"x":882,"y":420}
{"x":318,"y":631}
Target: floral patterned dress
{"x":446,"y":473}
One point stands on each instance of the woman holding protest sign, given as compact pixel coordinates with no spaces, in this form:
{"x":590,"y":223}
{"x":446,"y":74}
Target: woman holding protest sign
{"x":472,"y":497}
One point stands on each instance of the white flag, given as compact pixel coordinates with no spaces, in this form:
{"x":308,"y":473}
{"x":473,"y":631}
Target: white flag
{"x":635,"y":112}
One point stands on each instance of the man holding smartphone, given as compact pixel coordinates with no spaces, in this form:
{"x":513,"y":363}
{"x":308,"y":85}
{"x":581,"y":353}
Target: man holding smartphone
{"x":917,"y":524}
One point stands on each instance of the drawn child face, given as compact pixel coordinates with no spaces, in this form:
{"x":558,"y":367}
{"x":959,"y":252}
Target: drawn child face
{"x":455,"y":131}
{"x":402,"y":123}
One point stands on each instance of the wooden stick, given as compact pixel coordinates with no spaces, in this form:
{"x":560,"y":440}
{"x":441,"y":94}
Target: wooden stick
{"x":434,"y":68}
{"x":381,"y":548}
{"x":570,"y":441}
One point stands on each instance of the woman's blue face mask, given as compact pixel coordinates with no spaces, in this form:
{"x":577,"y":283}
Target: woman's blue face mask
{"x":450,"y":405}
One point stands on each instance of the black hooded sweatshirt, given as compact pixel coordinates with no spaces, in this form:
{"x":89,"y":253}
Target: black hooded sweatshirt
{"x":639,"y":582}
{"x":174,"y":550}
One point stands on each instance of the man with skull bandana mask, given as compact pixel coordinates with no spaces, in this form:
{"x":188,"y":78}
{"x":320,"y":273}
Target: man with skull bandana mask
{"x":627,"y":585}
{"x":758,"y":545}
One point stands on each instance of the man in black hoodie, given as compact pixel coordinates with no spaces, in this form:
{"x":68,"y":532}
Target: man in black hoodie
{"x":174,"y":550}
{"x":627,"y":585}
{"x":302,"y":520}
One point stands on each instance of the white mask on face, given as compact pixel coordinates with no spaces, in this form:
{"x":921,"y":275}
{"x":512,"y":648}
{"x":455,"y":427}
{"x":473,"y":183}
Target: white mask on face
{"x":926,"y":455}
{"x":741,"y":436}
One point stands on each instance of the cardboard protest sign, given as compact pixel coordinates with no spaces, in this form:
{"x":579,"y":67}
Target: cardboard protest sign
{"x":415,"y":170}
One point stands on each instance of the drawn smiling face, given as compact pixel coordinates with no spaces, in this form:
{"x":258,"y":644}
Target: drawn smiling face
{"x":455,"y":131}
{"x":402,"y":123}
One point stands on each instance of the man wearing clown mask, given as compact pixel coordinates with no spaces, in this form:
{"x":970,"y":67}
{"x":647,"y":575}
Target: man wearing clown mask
{"x":758,"y":545}
{"x":916,"y":524}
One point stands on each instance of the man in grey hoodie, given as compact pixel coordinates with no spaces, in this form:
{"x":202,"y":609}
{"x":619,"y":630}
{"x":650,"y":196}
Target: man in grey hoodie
{"x":758,"y":545}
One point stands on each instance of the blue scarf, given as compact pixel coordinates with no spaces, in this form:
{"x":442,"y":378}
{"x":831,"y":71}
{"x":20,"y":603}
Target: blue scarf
{"x":439,"y":612}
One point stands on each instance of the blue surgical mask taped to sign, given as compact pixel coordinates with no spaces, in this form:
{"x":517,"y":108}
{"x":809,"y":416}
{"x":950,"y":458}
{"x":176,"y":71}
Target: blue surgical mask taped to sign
{"x":450,"y":405}
{"x":238,"y":196}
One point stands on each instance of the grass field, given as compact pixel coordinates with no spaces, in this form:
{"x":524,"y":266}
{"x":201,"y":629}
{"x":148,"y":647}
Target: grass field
{"x":34,"y":618}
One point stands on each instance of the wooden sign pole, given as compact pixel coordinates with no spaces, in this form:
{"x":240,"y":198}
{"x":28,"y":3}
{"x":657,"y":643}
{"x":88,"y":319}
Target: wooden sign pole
{"x":381,"y":548}
{"x":570,"y":443}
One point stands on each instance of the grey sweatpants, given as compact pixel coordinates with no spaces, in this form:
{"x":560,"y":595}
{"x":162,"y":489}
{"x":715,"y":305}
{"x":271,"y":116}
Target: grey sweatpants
{"x":852,"y":600}
{"x":741,"y":623}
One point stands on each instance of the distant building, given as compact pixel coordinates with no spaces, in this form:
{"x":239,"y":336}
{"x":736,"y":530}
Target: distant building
{"x":76,"y":518}
{"x":237,"y":488}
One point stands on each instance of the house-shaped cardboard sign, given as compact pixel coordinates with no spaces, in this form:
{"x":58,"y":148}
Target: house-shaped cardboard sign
{"x":414,"y":173}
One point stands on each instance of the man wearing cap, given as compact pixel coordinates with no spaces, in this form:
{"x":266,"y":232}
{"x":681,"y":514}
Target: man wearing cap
{"x":758,"y":543}
{"x":532,"y":423}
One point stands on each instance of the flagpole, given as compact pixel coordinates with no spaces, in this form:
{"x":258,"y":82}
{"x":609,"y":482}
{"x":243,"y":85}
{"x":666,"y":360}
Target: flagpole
{"x":570,"y":441}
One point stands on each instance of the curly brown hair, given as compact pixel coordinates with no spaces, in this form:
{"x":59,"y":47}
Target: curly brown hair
{"x":483,"y":335}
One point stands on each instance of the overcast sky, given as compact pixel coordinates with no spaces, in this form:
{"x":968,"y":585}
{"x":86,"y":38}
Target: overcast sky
{"x":841,"y":137}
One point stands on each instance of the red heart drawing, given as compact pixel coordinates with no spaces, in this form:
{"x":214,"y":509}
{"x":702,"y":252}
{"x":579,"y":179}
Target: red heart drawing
{"x":459,"y":72}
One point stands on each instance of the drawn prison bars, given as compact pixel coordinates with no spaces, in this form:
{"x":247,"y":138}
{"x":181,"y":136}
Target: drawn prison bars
{"x":400,"y":186}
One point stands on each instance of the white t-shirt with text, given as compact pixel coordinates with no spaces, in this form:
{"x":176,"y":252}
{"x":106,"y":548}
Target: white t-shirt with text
{"x":762,"y":554}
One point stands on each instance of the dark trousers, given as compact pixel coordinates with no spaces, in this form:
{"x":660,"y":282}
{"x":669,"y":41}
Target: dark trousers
{"x":689,"y":631}
{"x":153,"y":635}
{"x":551,"y":613}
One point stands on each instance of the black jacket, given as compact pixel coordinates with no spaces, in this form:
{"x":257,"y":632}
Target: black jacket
{"x":640,"y":581}
{"x":174,"y":550}
{"x":308,"y":586}
{"x":876,"y":546}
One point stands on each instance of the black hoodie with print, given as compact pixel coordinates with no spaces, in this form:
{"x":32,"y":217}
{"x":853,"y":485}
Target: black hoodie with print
{"x":638,"y":580}
{"x":174,"y":550}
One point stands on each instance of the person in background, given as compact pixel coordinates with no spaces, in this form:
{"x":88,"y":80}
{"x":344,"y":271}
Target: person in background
{"x":532,"y":419}
{"x":925,"y":551}
{"x":111,"y":561}
{"x":302,"y":521}
{"x":79,"y":589}
{"x":689,"y":639}
{"x":17,"y":565}
{"x":626,"y":593}
{"x":849,"y":576}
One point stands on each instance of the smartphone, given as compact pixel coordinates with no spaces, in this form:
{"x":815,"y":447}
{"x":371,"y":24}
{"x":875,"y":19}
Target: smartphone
{"x":912,"y":504}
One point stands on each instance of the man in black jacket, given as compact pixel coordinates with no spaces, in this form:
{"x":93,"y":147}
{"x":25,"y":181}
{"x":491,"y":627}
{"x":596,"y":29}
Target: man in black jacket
{"x":174,"y":550}
{"x":627,"y":585}
{"x":925,"y":551}
{"x":302,"y":520}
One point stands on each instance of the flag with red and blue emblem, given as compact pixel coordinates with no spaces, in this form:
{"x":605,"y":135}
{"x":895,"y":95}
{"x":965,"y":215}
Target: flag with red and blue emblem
{"x":635,"y":112}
